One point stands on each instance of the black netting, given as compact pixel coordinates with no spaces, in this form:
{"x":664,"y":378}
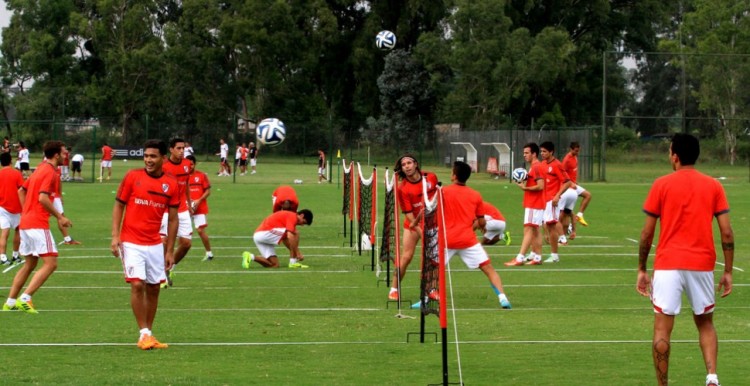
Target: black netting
{"x":430,"y":262}
{"x":387,"y":242}
{"x":364,"y":211}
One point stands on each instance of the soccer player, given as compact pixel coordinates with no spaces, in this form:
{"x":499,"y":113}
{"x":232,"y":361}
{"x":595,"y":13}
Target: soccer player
{"x":569,"y":198}
{"x":321,"y":166}
{"x":179,"y":168}
{"x":253,"y":151}
{"x":284,"y":198}
{"x":142,"y":199}
{"x":65,"y":166}
{"x":188,"y":149}
{"x":556,"y":182}
{"x":463,"y":206}
{"x":23,"y":159}
{"x":10,"y":208}
{"x":494,"y":225}
{"x":244,"y":151}
{"x":279,"y":227}
{"x":684,"y":203}
{"x":224,"y":169}
{"x":77,"y":165}
{"x":200,"y":189}
{"x":411,"y":200}
{"x":58,"y":203}
{"x":106,"y":162}
{"x":533,"y":204}
{"x":36,"y":239}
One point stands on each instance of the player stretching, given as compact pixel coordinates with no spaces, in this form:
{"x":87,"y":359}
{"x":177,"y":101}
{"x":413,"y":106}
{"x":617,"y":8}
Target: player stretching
{"x":533,"y":204}
{"x":144,"y":196}
{"x":685,"y":203}
{"x":410,"y":199}
{"x":106,"y":162}
{"x":179,"y":168}
{"x":284,"y":198}
{"x":10,"y":208}
{"x":494,"y":226}
{"x":200,"y":189}
{"x":569,"y":198}
{"x":462,"y":207}
{"x":36,"y":238}
{"x":279,"y":227}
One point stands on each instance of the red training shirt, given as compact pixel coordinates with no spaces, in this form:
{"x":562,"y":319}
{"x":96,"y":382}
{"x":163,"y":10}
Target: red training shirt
{"x":570,"y":165}
{"x":282,"y":219}
{"x":490,"y":210}
{"x":181,"y":172}
{"x":283,"y":193}
{"x":534,"y":199}
{"x":42,"y":181}
{"x":10,"y":181}
{"x":146,"y":198}
{"x":106,"y":153}
{"x":461,"y":206}
{"x":410,"y":197}
{"x":198,"y":185}
{"x":554,"y":178}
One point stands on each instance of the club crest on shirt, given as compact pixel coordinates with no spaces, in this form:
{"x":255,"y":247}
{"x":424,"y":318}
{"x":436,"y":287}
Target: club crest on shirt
{"x":165,"y":187}
{"x":195,"y":179}
{"x":185,"y":168}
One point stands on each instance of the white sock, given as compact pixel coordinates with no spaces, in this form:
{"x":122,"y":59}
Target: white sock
{"x":520,"y":257}
{"x":3,"y":257}
{"x":555,"y":256}
{"x":25,"y":297}
{"x":15,"y":254}
{"x":145,"y":332}
{"x":10,"y":302}
{"x":502,"y":297}
{"x":580,"y":214}
{"x":209,"y":253}
{"x":394,"y":290}
{"x":292,"y":260}
{"x":68,"y":239}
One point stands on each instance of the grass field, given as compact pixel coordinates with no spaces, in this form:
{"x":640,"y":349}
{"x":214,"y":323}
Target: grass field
{"x":576,"y":322}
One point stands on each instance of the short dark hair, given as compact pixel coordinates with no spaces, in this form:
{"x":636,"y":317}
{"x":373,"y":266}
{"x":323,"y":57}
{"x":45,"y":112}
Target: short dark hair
{"x":157,"y":144}
{"x":549,"y":146}
{"x":173,"y":141}
{"x":533,"y":147}
{"x":5,"y":159}
{"x":686,"y":147}
{"x":51,"y":148}
{"x":307,"y":214}
{"x":575,"y":145}
{"x":462,"y":170}
{"x":192,"y":159}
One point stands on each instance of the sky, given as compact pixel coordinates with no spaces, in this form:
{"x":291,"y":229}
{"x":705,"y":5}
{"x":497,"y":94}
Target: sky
{"x":4,"y":16}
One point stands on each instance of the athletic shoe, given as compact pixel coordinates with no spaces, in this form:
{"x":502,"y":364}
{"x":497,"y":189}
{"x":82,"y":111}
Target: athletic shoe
{"x":164,"y":285}
{"x":6,"y":307}
{"x":712,"y":381}
{"x":552,"y":259}
{"x":393,"y":295}
{"x":253,"y":172}
{"x":5,"y":261}
{"x":514,"y":263}
{"x":247,"y":257}
{"x":157,"y":344}
{"x":298,"y":265}
{"x":17,"y":260}
{"x":562,"y":240}
{"x":26,"y":306}
{"x":434,"y":295}
{"x":170,"y":273}
{"x":507,"y":238}
{"x":581,"y":220}
{"x":208,"y":257}
{"x":148,"y":342}
{"x":534,"y":262}
{"x":71,"y":242}
{"x":416,"y":305}
{"x":505,"y":304}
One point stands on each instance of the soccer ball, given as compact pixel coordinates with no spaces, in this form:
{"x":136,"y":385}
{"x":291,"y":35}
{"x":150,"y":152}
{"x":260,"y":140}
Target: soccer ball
{"x":271,"y":132}
{"x":385,"y":40}
{"x":519,"y":175}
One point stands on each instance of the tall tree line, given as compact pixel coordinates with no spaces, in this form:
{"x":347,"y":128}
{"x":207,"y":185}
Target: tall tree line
{"x":200,"y":66}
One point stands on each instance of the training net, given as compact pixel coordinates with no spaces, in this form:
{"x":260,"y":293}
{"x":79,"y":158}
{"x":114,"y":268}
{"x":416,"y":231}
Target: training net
{"x":366,"y":209}
{"x":432,"y":283}
{"x":348,"y":209}
{"x":389,"y":238}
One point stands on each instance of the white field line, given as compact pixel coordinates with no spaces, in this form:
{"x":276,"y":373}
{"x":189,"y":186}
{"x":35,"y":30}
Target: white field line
{"x":334,"y":343}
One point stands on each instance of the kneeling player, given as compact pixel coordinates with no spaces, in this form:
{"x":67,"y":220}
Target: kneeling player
{"x":279,"y":227}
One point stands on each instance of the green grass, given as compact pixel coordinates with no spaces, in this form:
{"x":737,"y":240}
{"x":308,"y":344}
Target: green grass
{"x":579,"y":321}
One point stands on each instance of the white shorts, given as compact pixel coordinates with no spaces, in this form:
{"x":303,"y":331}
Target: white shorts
{"x":568,"y":200}
{"x":199,"y":220}
{"x":493,"y":228}
{"x":551,"y":214}
{"x":253,"y":161}
{"x":9,"y":220}
{"x":668,"y":286}
{"x":321,"y":171}
{"x":266,"y":241}
{"x":579,"y":190}
{"x":184,"y":230}
{"x":63,"y":170}
{"x":533,"y":217}
{"x":473,"y":256}
{"x":57,"y":204}
{"x":106,"y":164}
{"x":143,"y":262}
{"x":37,"y":242}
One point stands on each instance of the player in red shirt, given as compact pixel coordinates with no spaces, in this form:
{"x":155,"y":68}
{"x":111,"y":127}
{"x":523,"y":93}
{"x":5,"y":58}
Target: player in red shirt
{"x":106,"y":162}
{"x":684,"y":203}
{"x":10,"y":208}
{"x":65,"y":166}
{"x":556,"y":182}
{"x":494,"y":225}
{"x":284,"y":198}
{"x":200,"y":189}
{"x":57,"y":201}
{"x":462,"y":206}
{"x":36,"y":238}
{"x":179,"y":168}
{"x":243,"y":159}
{"x":569,"y":198}
{"x":533,"y":204}
{"x":143,"y":197}
{"x":279,"y":227}
{"x":411,"y":202}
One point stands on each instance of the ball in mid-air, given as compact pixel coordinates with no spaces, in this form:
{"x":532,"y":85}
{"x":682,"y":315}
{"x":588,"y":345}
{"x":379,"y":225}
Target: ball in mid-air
{"x":385,"y":40}
{"x":519,"y":175}
{"x":270,"y":132}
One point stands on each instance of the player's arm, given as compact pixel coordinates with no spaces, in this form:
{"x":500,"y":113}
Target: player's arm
{"x":22,"y":195}
{"x":643,"y":283}
{"x":727,"y":247}
{"x":117,"y":212}
{"x":173,"y":223}
{"x":46,"y":202}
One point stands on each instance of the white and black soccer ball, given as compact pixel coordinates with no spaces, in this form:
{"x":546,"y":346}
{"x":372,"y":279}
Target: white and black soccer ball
{"x":519,"y":175}
{"x":385,"y":40}
{"x":271,"y":132}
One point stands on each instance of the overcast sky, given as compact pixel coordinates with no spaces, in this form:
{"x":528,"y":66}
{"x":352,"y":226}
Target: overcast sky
{"x":4,"y":16}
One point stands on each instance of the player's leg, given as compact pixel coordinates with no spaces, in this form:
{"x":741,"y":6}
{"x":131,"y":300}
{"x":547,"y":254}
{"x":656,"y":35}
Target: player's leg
{"x":526,"y":244}
{"x":42,"y":274}
{"x":408,"y":245}
{"x":184,"y":237}
{"x":476,"y":257}
{"x":206,"y":242}
{"x":708,"y":340}
{"x":267,"y":262}
{"x":22,"y":276}
{"x":4,"y":234}
{"x":661,"y":348}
